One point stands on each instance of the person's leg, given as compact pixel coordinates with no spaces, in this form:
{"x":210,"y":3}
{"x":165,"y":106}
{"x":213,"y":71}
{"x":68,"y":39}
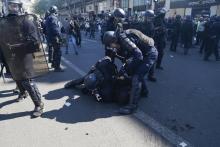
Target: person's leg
{"x":160,"y":57}
{"x":35,"y":95}
{"x":57,"y":58}
{"x":67,"y":43}
{"x":73,"y":40}
{"x":22,"y":92}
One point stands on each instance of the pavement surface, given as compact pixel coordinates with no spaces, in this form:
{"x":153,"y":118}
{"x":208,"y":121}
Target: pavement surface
{"x":181,"y":110}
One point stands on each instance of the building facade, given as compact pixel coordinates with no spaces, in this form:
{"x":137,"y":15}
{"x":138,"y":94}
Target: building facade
{"x":194,"y":8}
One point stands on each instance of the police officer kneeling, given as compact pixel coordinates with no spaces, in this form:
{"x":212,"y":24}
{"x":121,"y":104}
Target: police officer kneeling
{"x":138,"y":61}
{"x":18,"y":50}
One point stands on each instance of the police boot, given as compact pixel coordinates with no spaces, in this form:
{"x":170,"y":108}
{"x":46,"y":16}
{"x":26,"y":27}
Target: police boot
{"x":129,"y":109}
{"x":152,"y":78}
{"x":38,"y":110}
{"x":144,"y":92}
{"x":134,"y":97}
{"x":58,"y":69}
{"x":22,"y":96}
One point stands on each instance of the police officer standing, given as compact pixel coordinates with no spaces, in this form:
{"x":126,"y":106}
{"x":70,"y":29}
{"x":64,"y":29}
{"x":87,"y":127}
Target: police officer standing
{"x":19,"y":49}
{"x":147,"y":27}
{"x":187,"y":34}
{"x":213,"y":39}
{"x":160,"y":36}
{"x":53,"y":30}
{"x":175,"y":33}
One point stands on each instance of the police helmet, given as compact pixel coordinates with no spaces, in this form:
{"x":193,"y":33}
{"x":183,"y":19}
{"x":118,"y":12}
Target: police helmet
{"x":109,"y":37}
{"x":15,"y":2}
{"x":178,"y":17}
{"x":119,"y":13}
{"x":149,"y":13}
{"x":14,"y":7}
{"x":162,"y":12}
{"x":91,"y":81}
{"x":53,"y":9}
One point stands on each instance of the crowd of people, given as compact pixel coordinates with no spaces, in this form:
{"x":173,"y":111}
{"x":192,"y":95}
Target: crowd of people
{"x":139,"y":45}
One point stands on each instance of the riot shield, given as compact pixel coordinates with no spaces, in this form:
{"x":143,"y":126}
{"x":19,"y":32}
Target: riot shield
{"x":22,"y":47}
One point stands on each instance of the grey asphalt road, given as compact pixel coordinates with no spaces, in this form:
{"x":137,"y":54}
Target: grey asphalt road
{"x":185,"y":100}
{"x":70,"y":118}
{"x":186,"y":97}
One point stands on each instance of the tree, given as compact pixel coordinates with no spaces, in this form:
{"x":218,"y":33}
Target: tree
{"x":41,"y":6}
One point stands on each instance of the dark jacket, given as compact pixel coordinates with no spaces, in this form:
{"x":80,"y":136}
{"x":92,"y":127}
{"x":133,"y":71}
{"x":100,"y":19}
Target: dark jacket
{"x":53,"y":29}
{"x":187,"y":31}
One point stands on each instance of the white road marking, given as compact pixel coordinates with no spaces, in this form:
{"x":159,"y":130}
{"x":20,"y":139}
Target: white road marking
{"x":146,"y":119}
{"x":95,"y":41}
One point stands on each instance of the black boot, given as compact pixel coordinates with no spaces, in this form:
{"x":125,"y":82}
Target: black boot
{"x":134,"y":97}
{"x":59,"y":69}
{"x":38,"y":110}
{"x":152,"y":79}
{"x":129,"y":109}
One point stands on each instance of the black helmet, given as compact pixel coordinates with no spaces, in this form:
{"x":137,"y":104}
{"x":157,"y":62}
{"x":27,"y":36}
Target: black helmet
{"x":91,"y":81}
{"x":15,"y":2}
{"x":109,"y":37}
{"x":162,"y":12}
{"x":178,"y":17}
{"x":15,"y":10}
{"x":149,"y":13}
{"x":53,"y":9}
{"x":119,"y":13}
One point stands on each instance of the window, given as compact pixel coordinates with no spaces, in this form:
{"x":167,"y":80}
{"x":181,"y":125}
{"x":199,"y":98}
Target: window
{"x":139,"y":2}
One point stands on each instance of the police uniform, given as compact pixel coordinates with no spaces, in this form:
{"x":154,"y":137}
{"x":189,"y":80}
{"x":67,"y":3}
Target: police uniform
{"x":146,"y":45}
{"x":160,"y":39}
{"x":105,"y":72}
{"x":19,"y":54}
{"x":54,"y":37}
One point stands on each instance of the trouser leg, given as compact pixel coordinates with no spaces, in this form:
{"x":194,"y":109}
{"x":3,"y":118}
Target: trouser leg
{"x":57,"y":55}
{"x":160,"y":57}
{"x":33,"y":91}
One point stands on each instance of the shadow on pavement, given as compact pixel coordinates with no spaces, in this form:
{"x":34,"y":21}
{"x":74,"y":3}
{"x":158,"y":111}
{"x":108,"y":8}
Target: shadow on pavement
{"x":58,"y":94}
{"x":52,"y":77}
{"x":7,"y":103}
{"x":7,"y":93}
{"x":14,"y":115}
{"x":83,"y":109}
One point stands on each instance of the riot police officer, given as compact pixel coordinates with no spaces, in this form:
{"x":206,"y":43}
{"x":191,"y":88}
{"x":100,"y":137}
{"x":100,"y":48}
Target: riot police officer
{"x":187,"y":34}
{"x":146,"y":45}
{"x":100,"y":80}
{"x":160,"y":36}
{"x":113,"y":24}
{"x":53,"y":30}
{"x":19,"y":49}
{"x":175,"y":33}
{"x":213,"y":39}
{"x":147,"y":27}
{"x":135,"y":67}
